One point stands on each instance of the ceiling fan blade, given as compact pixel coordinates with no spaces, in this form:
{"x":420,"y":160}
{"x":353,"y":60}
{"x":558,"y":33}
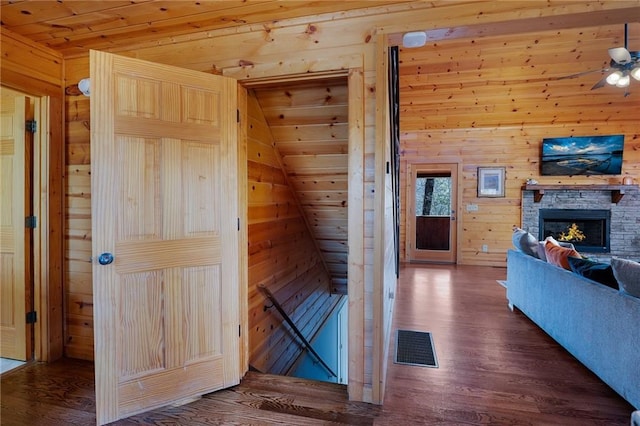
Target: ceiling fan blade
{"x":581,"y":74}
{"x":620,"y":55}
{"x":600,"y":83}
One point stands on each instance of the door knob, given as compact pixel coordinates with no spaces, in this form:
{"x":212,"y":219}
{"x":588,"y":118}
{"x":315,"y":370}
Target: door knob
{"x":105,"y":258}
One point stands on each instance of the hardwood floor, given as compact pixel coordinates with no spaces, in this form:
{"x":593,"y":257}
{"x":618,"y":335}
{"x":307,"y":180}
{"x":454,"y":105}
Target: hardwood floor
{"x":495,"y":367}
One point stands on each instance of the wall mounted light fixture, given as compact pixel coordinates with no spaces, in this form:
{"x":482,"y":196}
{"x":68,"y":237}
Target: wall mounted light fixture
{"x":85,"y":86}
{"x":82,"y":88}
{"x":414,"y":39}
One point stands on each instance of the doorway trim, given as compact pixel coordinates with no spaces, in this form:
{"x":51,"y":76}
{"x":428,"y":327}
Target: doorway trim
{"x":453,"y":254}
{"x":47,"y":84}
{"x":350,"y":67}
{"x":47,"y":238}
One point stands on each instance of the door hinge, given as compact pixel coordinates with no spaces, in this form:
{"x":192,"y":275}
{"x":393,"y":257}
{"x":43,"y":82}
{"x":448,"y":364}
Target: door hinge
{"x":238,"y":224}
{"x":32,"y":317}
{"x":31,"y":222}
{"x":238,"y":115}
{"x":239,"y":330}
{"x":31,"y":126}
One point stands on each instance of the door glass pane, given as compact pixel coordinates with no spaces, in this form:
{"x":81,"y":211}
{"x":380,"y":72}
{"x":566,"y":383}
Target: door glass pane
{"x":433,"y":211}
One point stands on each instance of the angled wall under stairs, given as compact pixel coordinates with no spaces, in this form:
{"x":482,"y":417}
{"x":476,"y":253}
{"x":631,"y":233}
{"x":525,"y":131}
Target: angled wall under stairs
{"x":282,"y":256}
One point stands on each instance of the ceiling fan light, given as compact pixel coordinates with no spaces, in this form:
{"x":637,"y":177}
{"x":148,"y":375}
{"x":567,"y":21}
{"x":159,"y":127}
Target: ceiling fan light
{"x":614,"y":77}
{"x":635,"y":73}
{"x":620,"y":55}
{"x":623,"y":81}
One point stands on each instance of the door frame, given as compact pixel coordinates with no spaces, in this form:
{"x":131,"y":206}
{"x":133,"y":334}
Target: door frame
{"x":21,"y":284}
{"x":452,"y":255}
{"x":47,"y":206}
{"x":354,"y":72}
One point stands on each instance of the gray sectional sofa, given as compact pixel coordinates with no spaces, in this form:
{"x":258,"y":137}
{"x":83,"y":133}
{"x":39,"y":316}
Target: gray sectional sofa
{"x":598,"y":325}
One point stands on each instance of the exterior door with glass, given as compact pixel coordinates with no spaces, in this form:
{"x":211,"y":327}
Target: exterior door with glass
{"x":432,"y":195}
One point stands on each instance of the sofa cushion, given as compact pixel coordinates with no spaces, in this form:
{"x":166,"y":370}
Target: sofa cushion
{"x":541,"y":253}
{"x":627,"y":272}
{"x":525,"y":242}
{"x":557,"y":255}
{"x":596,"y":271}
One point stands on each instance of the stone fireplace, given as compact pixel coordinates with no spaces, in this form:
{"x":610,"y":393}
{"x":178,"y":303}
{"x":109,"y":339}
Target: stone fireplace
{"x":593,"y":210}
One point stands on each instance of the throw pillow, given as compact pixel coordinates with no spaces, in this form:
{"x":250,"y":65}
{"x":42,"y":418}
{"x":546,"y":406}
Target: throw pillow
{"x":560,"y":243}
{"x":541,"y":252}
{"x":596,"y":271}
{"x":557,"y":255}
{"x":525,"y":242}
{"x":627,"y":272}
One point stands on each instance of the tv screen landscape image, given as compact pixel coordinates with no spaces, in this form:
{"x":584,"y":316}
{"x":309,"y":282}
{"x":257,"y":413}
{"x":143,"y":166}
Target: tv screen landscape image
{"x":583,"y":155}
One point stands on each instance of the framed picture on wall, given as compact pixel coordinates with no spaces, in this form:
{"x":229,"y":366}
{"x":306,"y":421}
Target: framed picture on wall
{"x":491,"y":181}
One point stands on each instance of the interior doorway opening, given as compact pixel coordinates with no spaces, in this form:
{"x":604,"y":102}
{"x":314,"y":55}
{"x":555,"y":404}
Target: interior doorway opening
{"x":298,"y":190}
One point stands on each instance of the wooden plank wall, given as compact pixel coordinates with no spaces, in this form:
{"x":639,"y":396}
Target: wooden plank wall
{"x":79,"y":287}
{"x":309,"y":124}
{"x":38,"y":71}
{"x":29,"y":66}
{"x":488,"y":102}
{"x":282,"y":256}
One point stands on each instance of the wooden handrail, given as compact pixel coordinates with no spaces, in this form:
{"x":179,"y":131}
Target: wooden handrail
{"x":277,"y":305}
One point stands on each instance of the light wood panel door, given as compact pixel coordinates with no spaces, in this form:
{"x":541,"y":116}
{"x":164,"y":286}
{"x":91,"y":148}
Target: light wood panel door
{"x":14,"y":236}
{"x":165,"y":211}
{"x":432,"y":212}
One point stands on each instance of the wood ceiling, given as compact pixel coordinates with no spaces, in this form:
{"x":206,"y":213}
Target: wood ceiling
{"x":73,"y":27}
{"x":494,"y":80}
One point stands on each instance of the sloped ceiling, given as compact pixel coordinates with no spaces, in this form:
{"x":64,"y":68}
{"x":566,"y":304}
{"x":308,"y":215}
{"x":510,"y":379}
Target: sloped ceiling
{"x":309,"y":124}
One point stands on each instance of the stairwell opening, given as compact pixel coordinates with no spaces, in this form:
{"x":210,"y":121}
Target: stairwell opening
{"x":297,"y":139}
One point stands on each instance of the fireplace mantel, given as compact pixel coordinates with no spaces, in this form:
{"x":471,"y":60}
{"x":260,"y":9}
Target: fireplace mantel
{"x":617,"y":191}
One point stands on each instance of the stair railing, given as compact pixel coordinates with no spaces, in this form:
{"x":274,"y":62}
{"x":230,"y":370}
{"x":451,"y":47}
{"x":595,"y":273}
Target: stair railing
{"x":306,"y":344}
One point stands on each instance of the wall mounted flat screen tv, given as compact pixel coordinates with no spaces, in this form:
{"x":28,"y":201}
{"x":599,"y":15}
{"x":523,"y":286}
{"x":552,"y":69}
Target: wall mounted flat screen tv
{"x":583,"y":155}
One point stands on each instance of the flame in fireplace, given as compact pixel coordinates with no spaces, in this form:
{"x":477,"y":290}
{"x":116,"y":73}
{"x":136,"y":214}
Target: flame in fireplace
{"x":573,"y":234}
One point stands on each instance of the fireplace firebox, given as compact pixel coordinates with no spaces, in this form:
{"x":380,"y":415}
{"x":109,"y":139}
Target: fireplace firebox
{"x":588,"y":230}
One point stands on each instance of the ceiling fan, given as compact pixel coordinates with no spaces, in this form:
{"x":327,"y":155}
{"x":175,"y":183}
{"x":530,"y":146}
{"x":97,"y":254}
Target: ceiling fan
{"x":624,"y":64}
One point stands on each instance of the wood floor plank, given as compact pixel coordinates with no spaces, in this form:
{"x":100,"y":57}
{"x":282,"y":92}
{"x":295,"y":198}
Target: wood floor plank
{"x":495,"y":367}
